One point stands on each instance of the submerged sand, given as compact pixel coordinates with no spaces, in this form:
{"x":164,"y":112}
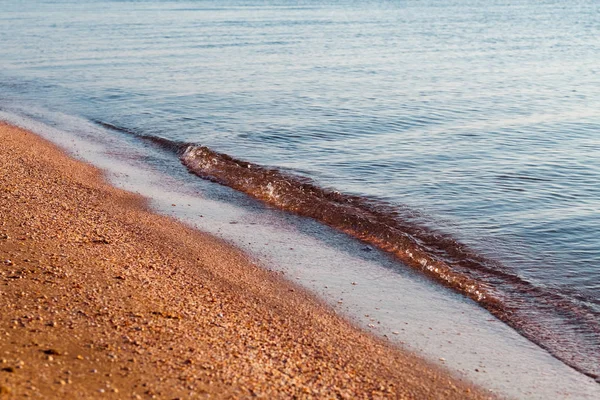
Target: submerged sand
{"x":101,"y":298}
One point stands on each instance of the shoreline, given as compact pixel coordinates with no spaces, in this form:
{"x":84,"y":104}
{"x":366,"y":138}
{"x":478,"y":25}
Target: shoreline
{"x":97,"y":282}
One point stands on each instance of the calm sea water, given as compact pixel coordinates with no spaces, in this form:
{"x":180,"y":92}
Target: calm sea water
{"x":478,"y":121}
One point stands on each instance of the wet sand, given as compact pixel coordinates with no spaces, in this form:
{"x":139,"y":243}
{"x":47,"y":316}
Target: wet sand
{"x":101,"y":298}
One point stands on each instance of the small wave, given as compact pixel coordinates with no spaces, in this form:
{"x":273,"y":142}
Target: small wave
{"x":173,"y":146}
{"x":354,"y":215}
{"x":568,"y":329}
{"x":509,"y":297}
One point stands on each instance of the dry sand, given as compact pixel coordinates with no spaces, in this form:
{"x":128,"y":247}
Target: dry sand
{"x":101,"y":298}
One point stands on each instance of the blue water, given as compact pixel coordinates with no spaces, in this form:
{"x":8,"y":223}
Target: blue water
{"x":480,"y":117}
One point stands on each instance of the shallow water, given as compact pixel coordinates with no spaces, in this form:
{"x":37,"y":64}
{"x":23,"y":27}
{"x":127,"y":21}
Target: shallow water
{"x":475,"y":122}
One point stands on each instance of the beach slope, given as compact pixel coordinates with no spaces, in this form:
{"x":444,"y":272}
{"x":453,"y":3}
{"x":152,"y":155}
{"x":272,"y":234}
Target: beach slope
{"x":101,"y":298}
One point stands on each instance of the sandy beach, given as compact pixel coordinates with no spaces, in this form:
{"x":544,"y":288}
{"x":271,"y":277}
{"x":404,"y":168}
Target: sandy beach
{"x":101,"y":298}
